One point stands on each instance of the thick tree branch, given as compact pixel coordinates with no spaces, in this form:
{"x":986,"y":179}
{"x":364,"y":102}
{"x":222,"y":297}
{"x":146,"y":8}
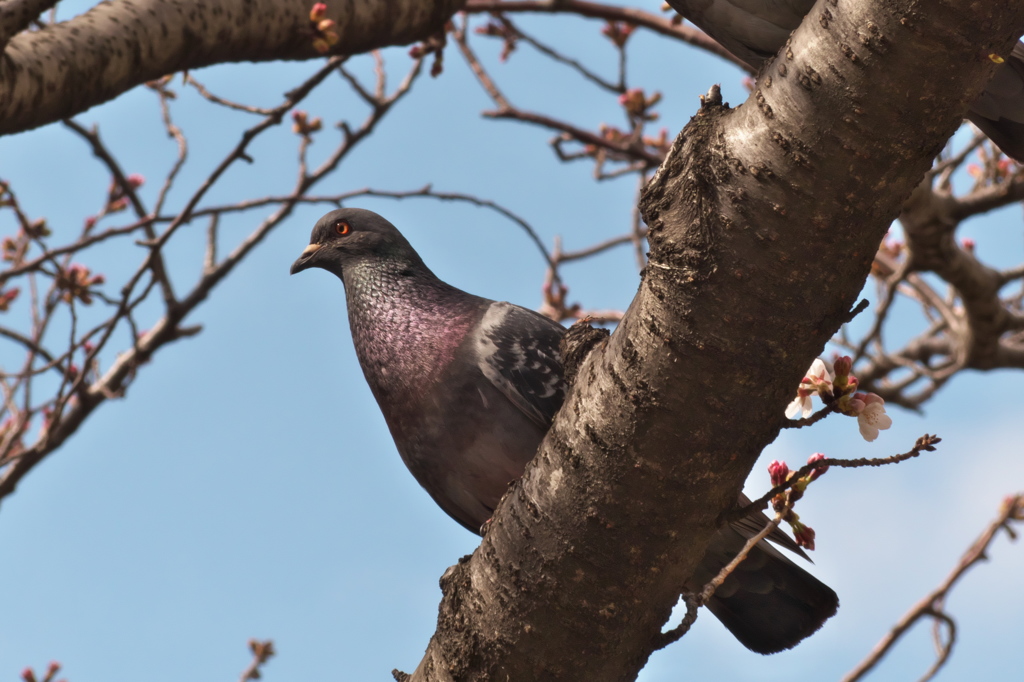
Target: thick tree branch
{"x":17,"y":15}
{"x":975,"y":326}
{"x":64,"y":69}
{"x":990,"y":198}
{"x":588,"y":553}
{"x":930,"y":232}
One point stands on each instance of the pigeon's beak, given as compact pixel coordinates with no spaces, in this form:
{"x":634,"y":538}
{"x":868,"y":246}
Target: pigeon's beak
{"x":305,"y":260}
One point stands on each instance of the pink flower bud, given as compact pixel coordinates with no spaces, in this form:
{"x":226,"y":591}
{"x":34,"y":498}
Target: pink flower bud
{"x":843,"y":366}
{"x":804,"y":535}
{"x":135,"y":180}
{"x":7,"y":297}
{"x":816,"y":457}
{"x":778,"y":471}
{"x":39,"y":228}
{"x":318,"y":12}
{"x":617,"y":33}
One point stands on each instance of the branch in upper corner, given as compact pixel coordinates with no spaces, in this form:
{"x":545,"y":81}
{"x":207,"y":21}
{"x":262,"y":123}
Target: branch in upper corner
{"x":18,"y":15}
{"x":632,"y":149}
{"x":933,"y":604}
{"x":630,"y":15}
{"x":75,"y":77}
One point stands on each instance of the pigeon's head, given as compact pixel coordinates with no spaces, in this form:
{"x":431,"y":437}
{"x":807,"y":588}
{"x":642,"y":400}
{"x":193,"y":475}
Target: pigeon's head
{"x":352,"y":234}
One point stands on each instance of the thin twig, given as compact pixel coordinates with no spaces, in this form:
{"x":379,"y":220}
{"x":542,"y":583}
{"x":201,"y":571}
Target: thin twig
{"x":562,"y":59}
{"x":695,"y":601}
{"x":925,"y":443}
{"x":638,"y":17}
{"x":261,"y":653}
{"x":201,"y":89}
{"x":933,"y":604}
{"x":168,"y":328}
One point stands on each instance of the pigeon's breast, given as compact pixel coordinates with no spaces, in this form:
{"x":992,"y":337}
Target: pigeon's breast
{"x":406,"y":332}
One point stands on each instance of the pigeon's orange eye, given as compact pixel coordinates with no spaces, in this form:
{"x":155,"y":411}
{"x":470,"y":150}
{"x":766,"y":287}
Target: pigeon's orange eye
{"x":342,"y":228}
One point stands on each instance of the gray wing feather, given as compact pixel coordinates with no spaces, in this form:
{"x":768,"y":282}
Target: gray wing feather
{"x":753,"y":524}
{"x":753,"y":30}
{"x":518,"y":352}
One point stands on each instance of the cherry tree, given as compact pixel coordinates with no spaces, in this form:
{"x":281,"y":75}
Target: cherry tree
{"x":754,"y":230}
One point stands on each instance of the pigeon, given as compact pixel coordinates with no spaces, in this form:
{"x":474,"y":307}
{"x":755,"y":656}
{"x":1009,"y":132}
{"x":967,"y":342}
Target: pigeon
{"x":469,"y":386}
{"x":755,"y":30}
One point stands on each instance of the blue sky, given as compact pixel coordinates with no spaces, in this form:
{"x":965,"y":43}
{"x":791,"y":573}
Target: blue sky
{"x":248,"y":487}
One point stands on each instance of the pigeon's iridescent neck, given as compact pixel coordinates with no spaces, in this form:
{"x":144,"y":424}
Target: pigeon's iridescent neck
{"x":406,"y":325}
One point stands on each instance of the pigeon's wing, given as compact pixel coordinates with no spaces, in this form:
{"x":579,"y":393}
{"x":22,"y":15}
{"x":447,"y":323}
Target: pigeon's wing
{"x":999,"y":110}
{"x":753,"y":30}
{"x":518,"y":352}
{"x":752,"y":524}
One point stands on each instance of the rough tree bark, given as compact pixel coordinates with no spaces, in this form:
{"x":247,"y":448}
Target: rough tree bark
{"x":64,"y":69}
{"x":764,"y":221}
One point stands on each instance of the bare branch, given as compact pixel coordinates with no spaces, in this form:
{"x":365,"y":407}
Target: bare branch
{"x":925,"y":443}
{"x":155,"y":262}
{"x":77,"y":398}
{"x":201,"y":89}
{"x":560,"y":58}
{"x":18,"y":15}
{"x":627,"y":148}
{"x":653,"y":22}
{"x":933,"y":604}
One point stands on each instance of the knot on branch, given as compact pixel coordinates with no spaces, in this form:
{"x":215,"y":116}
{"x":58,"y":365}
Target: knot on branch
{"x":577,"y":344}
{"x":713,"y":98}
